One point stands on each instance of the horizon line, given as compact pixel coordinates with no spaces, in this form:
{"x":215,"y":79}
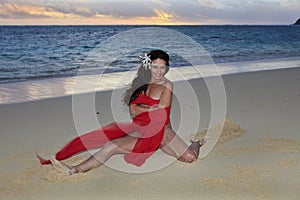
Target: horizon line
{"x":146,"y":24}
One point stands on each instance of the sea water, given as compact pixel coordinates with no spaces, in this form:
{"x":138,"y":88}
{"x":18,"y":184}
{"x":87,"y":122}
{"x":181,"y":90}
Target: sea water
{"x":32,"y":57}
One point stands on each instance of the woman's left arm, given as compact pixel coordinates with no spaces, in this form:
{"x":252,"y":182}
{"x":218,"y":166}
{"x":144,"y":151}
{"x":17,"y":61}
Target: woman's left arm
{"x":166,"y":95}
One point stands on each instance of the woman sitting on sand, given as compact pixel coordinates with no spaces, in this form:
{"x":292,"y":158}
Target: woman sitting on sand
{"x":149,"y":99}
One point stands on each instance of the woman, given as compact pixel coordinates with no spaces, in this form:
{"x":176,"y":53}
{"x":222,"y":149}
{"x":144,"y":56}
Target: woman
{"x":149,"y":99}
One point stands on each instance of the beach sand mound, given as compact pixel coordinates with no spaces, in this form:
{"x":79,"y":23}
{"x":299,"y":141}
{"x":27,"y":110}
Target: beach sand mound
{"x":229,"y":131}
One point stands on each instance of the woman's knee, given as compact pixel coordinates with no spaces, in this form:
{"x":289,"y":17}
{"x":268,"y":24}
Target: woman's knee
{"x":110,"y":148}
{"x":117,"y":147}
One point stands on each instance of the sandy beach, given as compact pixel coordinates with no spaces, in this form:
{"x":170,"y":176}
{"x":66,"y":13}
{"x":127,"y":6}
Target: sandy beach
{"x":261,"y":163}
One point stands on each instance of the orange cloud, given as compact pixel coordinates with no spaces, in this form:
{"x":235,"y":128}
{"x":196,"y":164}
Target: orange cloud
{"x":15,"y":10}
{"x":20,"y":14}
{"x":163,"y":15}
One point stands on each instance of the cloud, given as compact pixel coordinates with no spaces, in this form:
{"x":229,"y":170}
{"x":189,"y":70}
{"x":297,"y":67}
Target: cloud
{"x":118,"y":9}
{"x":163,"y":15}
{"x":11,"y":10}
{"x":156,"y":11}
{"x":211,"y":4}
{"x":29,"y":10}
{"x":139,"y":11}
{"x":240,"y":12}
{"x":125,"y":9}
{"x":258,"y":11}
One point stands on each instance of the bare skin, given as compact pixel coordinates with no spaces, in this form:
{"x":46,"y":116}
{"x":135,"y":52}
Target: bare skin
{"x":174,"y":146}
{"x":159,"y":88}
{"x":119,"y":146}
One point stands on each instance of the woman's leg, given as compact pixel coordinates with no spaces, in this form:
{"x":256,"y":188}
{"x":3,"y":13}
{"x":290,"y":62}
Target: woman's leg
{"x":119,"y":146}
{"x":173,"y":145}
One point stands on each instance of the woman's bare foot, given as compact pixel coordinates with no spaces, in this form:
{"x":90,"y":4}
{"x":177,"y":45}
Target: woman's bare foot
{"x":61,"y":167}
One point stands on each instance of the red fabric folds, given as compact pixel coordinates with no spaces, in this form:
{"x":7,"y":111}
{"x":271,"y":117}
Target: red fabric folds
{"x":149,"y":125}
{"x":92,"y":140}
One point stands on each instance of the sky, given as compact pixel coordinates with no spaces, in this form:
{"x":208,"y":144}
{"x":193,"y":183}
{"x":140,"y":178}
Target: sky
{"x":155,"y":12}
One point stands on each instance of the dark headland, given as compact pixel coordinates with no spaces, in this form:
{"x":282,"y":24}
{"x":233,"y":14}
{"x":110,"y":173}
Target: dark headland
{"x":297,"y":22}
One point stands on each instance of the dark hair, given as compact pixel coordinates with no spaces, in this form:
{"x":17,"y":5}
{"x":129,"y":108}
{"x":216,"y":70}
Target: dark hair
{"x":143,"y":77}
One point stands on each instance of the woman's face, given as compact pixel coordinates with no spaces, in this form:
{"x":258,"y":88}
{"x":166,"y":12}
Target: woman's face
{"x":158,"y":69}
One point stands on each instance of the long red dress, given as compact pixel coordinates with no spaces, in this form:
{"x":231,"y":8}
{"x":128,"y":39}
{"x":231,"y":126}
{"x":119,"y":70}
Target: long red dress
{"x":149,"y":125}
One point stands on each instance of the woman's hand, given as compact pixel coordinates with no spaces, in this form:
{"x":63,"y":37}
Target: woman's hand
{"x":154,"y":107}
{"x":136,"y":109}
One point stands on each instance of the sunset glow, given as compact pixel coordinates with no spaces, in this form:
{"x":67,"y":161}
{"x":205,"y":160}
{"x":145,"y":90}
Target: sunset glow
{"x":169,"y":12}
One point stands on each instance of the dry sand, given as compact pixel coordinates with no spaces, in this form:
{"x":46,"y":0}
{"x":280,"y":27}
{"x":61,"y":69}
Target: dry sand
{"x":257,"y":156}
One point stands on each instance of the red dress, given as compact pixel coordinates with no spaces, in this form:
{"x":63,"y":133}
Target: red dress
{"x":149,"y":125}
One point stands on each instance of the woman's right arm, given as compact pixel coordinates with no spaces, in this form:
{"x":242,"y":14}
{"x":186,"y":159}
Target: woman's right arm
{"x":136,"y":109}
{"x":165,"y":101}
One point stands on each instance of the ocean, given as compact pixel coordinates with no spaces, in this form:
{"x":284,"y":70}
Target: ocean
{"x":41,"y":53}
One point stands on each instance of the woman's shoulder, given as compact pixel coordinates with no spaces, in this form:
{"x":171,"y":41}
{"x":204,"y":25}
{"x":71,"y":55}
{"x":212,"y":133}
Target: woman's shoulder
{"x":168,"y":84}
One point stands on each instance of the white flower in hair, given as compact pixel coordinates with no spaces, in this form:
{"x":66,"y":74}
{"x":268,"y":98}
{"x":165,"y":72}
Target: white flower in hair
{"x":146,"y":61}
